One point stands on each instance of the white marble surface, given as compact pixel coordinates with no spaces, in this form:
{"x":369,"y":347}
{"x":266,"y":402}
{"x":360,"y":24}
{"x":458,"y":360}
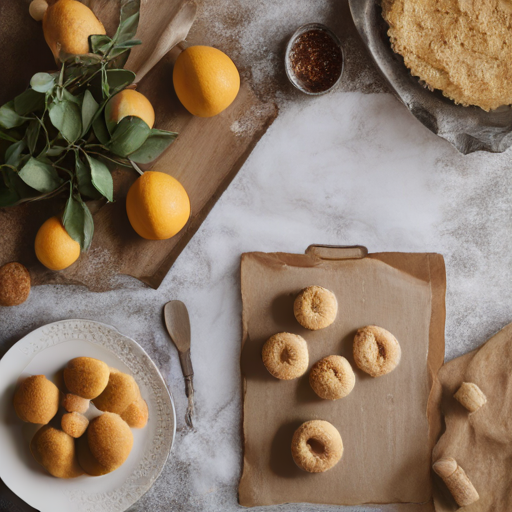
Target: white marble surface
{"x":344,"y":168}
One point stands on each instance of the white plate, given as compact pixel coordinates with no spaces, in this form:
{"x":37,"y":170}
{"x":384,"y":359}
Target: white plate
{"x":46,"y":351}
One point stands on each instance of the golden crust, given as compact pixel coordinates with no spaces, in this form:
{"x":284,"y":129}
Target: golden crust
{"x":74,"y":424}
{"x":136,"y":414}
{"x":315,"y":308}
{"x":75,"y":403}
{"x":286,"y":356}
{"x":459,"y":47}
{"x":55,"y":451}
{"x":376,"y":351}
{"x":36,"y":400}
{"x":316,"y":446}
{"x":120,"y":392}
{"x":86,"y":377}
{"x":14,"y":284}
{"x":332,"y":378}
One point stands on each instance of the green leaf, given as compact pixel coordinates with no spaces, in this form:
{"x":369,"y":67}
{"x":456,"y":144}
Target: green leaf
{"x":28,"y":101}
{"x":55,"y":151}
{"x":83,"y":176}
{"x":32,"y":134}
{"x":118,"y":79}
{"x":66,"y":117}
{"x":70,"y":97}
{"x":42,"y":82}
{"x":129,"y":44}
{"x":119,"y":61}
{"x":100,"y":43}
{"x":8,"y":116}
{"x":101,"y":178}
{"x":13,"y":153}
{"x":7,"y":137}
{"x":129,"y":135}
{"x":128,"y":21}
{"x":39,"y":175}
{"x":100,"y":130}
{"x":7,"y":196}
{"x":89,"y":109}
{"x":156,"y":143}
{"x":78,"y":222}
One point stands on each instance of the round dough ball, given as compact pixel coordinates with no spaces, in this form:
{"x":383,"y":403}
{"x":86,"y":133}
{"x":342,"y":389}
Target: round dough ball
{"x":37,"y":8}
{"x":55,"y":451}
{"x":36,"y":400}
{"x":86,"y":377}
{"x":14,"y":284}
{"x":136,"y":414}
{"x":75,"y":403}
{"x":332,"y":378}
{"x":121,"y":391}
{"x":376,"y":351}
{"x":110,"y":440}
{"x":286,"y":355}
{"x":316,"y":446}
{"x":315,"y":308}
{"x":74,"y":424}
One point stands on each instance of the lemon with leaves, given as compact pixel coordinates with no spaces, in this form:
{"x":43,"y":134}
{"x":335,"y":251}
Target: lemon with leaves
{"x":127,"y":103}
{"x":67,"y":25}
{"x":206,"y":80}
{"x":157,"y":205}
{"x":55,"y":249}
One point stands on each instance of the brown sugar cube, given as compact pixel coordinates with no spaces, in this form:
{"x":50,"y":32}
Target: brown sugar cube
{"x":74,"y":424}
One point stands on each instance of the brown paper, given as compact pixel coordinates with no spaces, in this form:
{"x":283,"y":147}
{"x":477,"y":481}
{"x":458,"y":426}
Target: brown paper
{"x":205,"y":157}
{"x":384,"y":422}
{"x":480,"y":442}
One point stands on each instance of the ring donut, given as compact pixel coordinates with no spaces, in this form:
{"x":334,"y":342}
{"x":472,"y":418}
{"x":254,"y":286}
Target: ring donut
{"x":376,"y":351}
{"x":316,"y":446}
{"x":286,"y":355}
{"x":332,"y":378}
{"x":315,"y":308}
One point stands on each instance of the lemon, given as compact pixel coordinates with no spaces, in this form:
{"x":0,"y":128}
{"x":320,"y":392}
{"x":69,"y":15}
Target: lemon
{"x":129,"y":103}
{"x":55,"y":249}
{"x":67,"y":25}
{"x":206,"y":80}
{"x":157,"y":205}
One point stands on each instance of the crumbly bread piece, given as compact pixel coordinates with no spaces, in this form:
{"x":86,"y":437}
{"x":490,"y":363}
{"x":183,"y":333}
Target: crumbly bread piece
{"x":332,"y":378}
{"x":285,"y":355}
{"x":75,"y":403}
{"x":74,"y":424}
{"x":14,"y":284}
{"x":36,"y":400}
{"x":136,"y":414}
{"x":459,"y":47}
{"x":86,"y":377}
{"x":120,"y":392}
{"x":315,"y":308}
{"x":55,"y":451}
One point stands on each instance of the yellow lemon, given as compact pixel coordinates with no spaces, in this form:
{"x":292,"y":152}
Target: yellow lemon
{"x":157,"y":205}
{"x":205,"y":80}
{"x":129,"y":103}
{"x":55,"y":249}
{"x":67,"y":25}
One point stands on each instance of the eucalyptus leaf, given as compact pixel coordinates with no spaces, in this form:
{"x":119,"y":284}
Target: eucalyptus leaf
{"x":13,"y":153}
{"x":101,"y":178}
{"x":66,"y":117}
{"x":78,"y":222}
{"x":9,"y":117}
{"x":42,"y":82}
{"x":118,"y":79}
{"x":156,"y":143}
{"x":100,"y":43}
{"x":39,"y":175}
{"x":55,"y":151}
{"x":28,"y":101}
{"x":129,"y":135}
{"x":89,"y":109}
{"x":32,"y":134}
{"x":129,"y":44}
{"x":128,"y":21}
{"x":119,"y":61}
{"x":71,"y":97}
{"x":100,"y":130}
{"x":84,"y":179}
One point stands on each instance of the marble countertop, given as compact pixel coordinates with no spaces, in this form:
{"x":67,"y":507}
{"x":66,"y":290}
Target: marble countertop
{"x":349,"y":167}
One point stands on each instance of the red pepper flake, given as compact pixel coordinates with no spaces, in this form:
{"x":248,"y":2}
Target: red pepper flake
{"x":316,"y":60}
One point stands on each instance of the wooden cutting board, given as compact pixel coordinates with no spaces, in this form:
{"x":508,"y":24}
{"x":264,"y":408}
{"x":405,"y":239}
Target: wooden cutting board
{"x":205,"y":157}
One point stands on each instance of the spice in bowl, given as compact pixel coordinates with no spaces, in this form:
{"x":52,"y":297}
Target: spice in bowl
{"x":314,"y":59}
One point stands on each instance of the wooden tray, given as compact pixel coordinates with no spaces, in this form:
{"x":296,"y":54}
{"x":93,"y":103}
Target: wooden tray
{"x":205,"y":158}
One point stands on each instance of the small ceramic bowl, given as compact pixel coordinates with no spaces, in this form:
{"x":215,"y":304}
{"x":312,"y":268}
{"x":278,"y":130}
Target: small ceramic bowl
{"x":287,"y":60}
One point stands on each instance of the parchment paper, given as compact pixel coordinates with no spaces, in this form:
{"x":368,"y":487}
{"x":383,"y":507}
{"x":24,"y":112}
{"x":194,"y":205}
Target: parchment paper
{"x":481,"y":442}
{"x":384,"y":422}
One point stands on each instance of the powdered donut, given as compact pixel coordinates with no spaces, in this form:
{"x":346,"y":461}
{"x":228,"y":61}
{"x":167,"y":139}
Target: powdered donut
{"x":286,"y":355}
{"x":376,"y":351}
{"x":316,"y":446}
{"x":332,"y":377}
{"x":315,"y":308}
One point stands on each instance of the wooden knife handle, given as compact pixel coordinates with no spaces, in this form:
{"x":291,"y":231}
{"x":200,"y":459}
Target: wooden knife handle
{"x":186,"y":363}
